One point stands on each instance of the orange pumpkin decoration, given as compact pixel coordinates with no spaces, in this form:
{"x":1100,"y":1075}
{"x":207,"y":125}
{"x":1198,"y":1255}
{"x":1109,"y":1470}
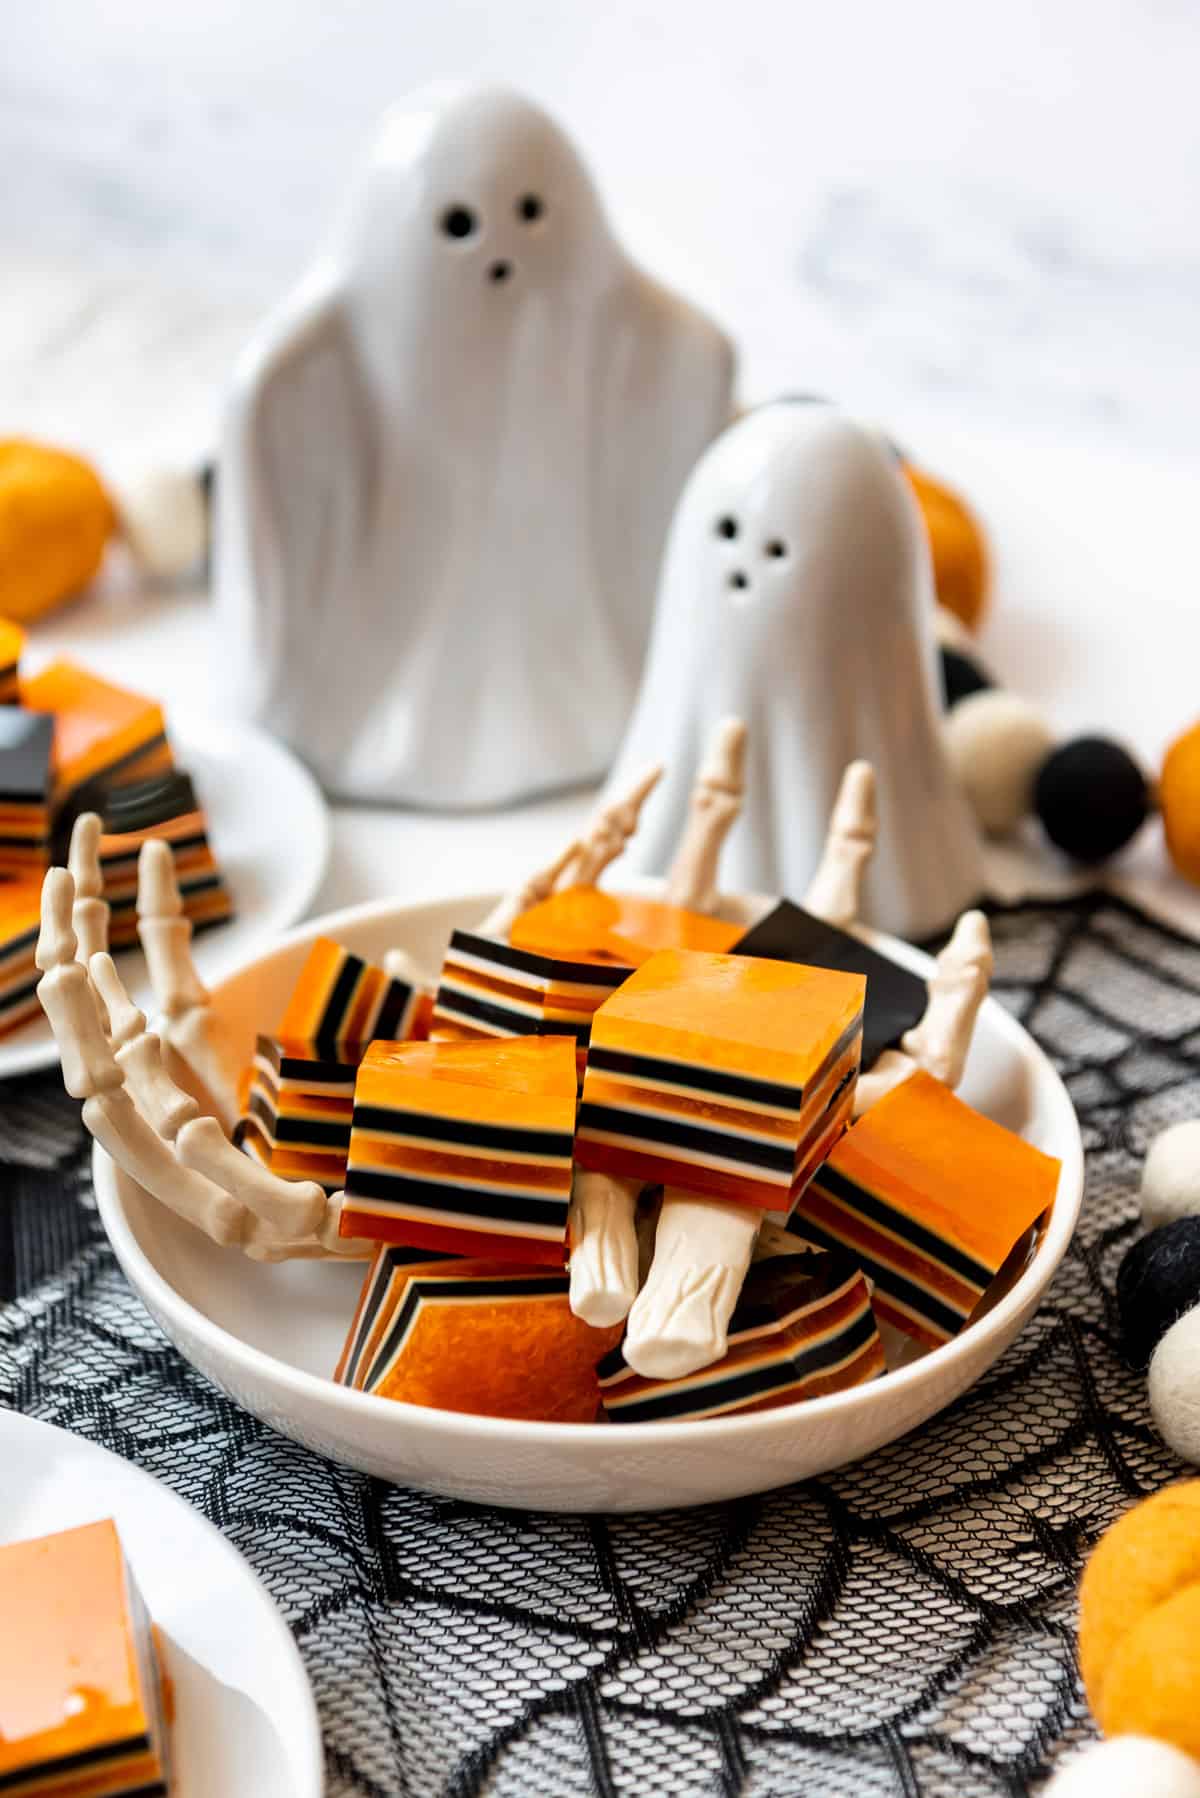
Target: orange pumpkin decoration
{"x":960,"y":559}
{"x":55,"y":521}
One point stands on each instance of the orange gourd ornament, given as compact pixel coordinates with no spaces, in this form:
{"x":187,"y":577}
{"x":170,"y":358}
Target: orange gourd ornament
{"x":55,"y":521}
{"x":1179,"y":800}
{"x":958,"y":546}
{"x":1139,"y":1621}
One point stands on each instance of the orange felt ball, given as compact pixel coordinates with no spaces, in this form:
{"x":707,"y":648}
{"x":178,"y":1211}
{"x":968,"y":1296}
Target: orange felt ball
{"x":960,"y":561}
{"x":55,"y":520}
{"x":1153,"y":1682}
{"x":1179,"y":798}
{"x":1139,"y":1621}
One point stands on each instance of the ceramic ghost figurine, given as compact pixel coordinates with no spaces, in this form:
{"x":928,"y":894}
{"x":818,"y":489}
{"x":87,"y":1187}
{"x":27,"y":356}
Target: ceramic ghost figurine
{"x":449,"y":467}
{"x":797,"y":594}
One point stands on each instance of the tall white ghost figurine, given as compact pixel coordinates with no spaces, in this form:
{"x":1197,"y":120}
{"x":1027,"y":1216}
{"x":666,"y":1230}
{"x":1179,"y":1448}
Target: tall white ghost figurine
{"x":797,"y":594}
{"x":449,"y":467}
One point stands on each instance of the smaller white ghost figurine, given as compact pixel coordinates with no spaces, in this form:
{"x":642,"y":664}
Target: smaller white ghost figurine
{"x":449,"y":468}
{"x":797,"y":594}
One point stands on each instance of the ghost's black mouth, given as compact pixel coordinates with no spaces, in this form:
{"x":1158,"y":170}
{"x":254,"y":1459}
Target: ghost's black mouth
{"x":500,"y":271}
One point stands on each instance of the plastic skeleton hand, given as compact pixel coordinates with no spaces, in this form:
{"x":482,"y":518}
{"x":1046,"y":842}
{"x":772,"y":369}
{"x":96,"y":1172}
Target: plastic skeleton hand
{"x":715,"y":803}
{"x":581,"y":863}
{"x":940,"y":1042}
{"x":679,"y":1321}
{"x":150,"y":1127}
{"x":199,"y":1050}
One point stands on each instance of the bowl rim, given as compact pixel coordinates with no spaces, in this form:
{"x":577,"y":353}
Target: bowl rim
{"x":309,"y":1388}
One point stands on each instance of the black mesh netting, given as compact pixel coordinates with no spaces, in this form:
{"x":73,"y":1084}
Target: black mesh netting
{"x":904,"y":1626}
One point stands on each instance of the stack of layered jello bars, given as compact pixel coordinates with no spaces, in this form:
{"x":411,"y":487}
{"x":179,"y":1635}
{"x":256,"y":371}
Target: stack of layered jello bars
{"x":69,"y":743}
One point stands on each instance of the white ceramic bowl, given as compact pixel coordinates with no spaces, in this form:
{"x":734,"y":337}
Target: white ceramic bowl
{"x":270,"y":1335}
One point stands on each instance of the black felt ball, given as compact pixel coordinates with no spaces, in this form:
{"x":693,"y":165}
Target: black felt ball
{"x":961,"y":676}
{"x":1158,"y":1281}
{"x":1091,"y":797}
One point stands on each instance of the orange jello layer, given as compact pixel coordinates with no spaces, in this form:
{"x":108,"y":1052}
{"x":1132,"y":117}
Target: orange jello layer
{"x":589,"y":924}
{"x":74,"y":1656}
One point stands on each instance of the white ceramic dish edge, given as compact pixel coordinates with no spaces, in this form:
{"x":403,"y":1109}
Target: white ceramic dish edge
{"x":591,"y":1467}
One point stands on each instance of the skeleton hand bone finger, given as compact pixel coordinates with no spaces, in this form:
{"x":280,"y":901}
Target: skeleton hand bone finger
{"x":941,"y":1041}
{"x":291,"y":1209}
{"x":201,"y":1053}
{"x":90,"y":917}
{"x":612,"y":828}
{"x":680,"y":1319}
{"x":715,"y":803}
{"x":835,"y":890}
{"x":603,"y":1242}
{"x":507,"y":910}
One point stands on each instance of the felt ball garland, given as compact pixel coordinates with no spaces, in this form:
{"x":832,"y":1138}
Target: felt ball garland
{"x":1158,"y":1281}
{"x":1158,"y":1289}
{"x":1089,"y":794}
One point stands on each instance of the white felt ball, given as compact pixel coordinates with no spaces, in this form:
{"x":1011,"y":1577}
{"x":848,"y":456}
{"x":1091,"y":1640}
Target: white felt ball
{"x":1174,"y":1386}
{"x":164,"y":517}
{"x":1127,"y":1767}
{"x":1171,"y":1175}
{"x":996,"y":744}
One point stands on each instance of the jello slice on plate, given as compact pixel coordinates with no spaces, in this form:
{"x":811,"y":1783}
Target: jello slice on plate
{"x":296,"y":1112}
{"x":721,"y":1074}
{"x":26,"y":783}
{"x":490,"y":989}
{"x":592,"y":924}
{"x":464,"y":1147}
{"x":104,"y":735}
{"x":12,"y":642}
{"x":340,"y":1003}
{"x":488,"y":1336}
{"x":20,"y":921}
{"x":81,"y":1692}
{"x":930,"y":1198}
{"x":164,"y":807}
{"x":803,"y":1326}
{"x":896,"y":997}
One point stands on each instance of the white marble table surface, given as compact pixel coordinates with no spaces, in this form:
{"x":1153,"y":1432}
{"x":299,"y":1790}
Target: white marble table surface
{"x":982,"y":226}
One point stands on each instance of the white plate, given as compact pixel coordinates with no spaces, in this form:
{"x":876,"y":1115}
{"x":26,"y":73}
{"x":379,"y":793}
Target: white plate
{"x":270,"y":833}
{"x":269,"y":1336}
{"x":245,"y":1722}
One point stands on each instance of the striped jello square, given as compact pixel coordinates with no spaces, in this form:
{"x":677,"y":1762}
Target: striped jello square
{"x":25,"y":784}
{"x":585,"y":923}
{"x":803,"y":1326}
{"x":490,"y":989}
{"x":464,"y":1147}
{"x":20,"y":922}
{"x":930,"y":1198}
{"x":489,"y":1336}
{"x":297,"y":1111}
{"x":340,"y":1003}
{"x":722,"y":1075}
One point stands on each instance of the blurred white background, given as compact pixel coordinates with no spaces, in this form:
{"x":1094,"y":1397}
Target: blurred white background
{"x":979,"y":224}
{"x":988,"y":210}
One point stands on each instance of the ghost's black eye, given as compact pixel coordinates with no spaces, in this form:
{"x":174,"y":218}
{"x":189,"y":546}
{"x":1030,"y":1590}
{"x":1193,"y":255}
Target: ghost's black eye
{"x":459,"y":221}
{"x":776,"y":548}
{"x":727,"y":527}
{"x":530,"y":208}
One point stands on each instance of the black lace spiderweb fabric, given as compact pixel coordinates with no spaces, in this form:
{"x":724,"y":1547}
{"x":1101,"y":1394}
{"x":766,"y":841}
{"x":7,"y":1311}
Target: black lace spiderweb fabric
{"x":904,"y":1626}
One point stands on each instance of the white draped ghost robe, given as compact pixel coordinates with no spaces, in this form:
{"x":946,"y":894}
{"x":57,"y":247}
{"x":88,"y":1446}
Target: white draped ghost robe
{"x":797,"y":594}
{"x":449,"y":466}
